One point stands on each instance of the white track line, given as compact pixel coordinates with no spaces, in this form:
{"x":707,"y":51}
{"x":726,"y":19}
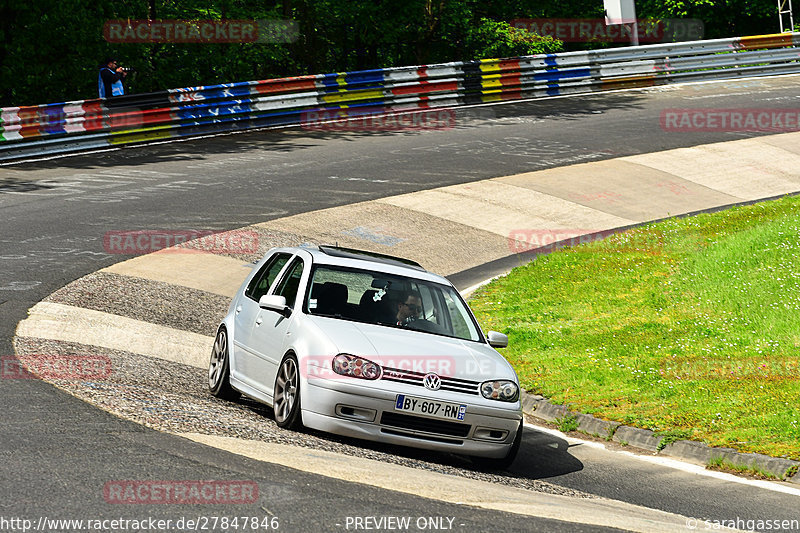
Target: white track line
{"x":674,"y":463}
{"x":452,"y":489}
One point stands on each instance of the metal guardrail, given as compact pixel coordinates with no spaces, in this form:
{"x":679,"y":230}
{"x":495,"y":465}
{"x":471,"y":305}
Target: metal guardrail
{"x":92,"y":124}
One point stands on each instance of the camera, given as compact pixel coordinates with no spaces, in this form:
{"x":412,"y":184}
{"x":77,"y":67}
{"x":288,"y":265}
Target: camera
{"x":128,"y":69}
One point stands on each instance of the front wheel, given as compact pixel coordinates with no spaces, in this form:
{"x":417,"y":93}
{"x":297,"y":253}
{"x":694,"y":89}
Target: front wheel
{"x":219,"y":368}
{"x":501,"y":463}
{"x":287,"y":394}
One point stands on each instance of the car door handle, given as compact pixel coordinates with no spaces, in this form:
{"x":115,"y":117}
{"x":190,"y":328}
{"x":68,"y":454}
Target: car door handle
{"x":259,"y":320}
{"x":238,"y":309}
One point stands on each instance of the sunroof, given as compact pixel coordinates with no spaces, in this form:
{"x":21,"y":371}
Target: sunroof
{"x":352,"y":253}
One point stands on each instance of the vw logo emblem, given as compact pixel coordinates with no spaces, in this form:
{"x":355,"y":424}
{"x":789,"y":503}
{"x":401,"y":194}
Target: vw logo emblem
{"x":432,"y":381}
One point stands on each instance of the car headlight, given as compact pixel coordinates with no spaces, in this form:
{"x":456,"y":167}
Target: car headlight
{"x":356,"y":367}
{"x":502,"y":390}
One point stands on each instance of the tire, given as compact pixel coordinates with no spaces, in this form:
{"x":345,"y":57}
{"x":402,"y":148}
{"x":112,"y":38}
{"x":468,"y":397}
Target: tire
{"x":219,"y":368}
{"x":287,"y":394}
{"x":502,"y":463}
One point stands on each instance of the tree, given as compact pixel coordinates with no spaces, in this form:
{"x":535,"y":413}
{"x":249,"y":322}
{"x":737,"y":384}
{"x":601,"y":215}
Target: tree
{"x":498,"y":39}
{"x":50,"y":49}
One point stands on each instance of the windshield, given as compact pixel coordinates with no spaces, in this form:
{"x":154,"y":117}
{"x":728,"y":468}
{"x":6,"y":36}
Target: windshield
{"x":389,"y":300}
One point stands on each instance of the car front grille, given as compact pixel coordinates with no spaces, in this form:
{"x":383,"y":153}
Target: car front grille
{"x":415,"y":378}
{"x":428,"y":425}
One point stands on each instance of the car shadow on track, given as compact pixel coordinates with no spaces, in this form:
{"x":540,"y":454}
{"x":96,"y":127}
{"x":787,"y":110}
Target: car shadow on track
{"x":544,"y":455}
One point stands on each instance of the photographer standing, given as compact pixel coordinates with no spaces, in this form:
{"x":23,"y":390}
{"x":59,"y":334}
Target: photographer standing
{"x":109,"y":81}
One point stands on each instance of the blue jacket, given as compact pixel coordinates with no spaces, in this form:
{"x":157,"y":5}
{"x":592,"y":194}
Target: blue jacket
{"x":109,"y":83}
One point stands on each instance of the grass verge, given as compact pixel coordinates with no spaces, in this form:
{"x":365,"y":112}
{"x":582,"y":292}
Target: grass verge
{"x":723,"y":465}
{"x":690,"y":326}
{"x":567,"y":423}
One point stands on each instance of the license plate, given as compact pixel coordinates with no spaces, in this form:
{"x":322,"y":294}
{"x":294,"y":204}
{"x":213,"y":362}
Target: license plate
{"x":432,"y":408}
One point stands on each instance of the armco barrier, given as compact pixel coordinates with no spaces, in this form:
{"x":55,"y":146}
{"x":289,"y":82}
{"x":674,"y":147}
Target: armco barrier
{"x":91,"y":124}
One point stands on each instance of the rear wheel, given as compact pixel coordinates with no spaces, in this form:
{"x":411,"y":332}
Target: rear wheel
{"x":501,"y":463}
{"x":287,"y":394}
{"x":219,"y":370}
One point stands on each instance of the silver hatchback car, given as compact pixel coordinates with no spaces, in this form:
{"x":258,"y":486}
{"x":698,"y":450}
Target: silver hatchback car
{"x":368,"y":346}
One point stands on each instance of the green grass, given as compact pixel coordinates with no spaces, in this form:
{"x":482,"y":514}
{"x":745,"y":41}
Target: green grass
{"x":671,"y":435}
{"x":718,"y":463}
{"x":690,"y":326}
{"x":567,"y":423}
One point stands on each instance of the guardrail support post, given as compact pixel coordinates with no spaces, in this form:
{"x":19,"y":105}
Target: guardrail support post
{"x":783,"y":10}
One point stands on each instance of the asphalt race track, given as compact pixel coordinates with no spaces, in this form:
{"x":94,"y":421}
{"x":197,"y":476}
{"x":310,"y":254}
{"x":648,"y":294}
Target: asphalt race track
{"x":58,"y":452}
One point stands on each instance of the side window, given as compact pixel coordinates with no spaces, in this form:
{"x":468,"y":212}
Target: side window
{"x":262,"y":281}
{"x":290,"y":283}
{"x":428,"y":309}
{"x":462,"y":324}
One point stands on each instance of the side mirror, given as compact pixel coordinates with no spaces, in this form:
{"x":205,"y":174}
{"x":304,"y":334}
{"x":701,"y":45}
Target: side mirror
{"x":497,"y":340}
{"x":273,"y":302}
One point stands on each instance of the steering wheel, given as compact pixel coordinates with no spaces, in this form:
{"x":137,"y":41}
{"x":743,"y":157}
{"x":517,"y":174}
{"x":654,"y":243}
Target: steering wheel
{"x":407,"y":321}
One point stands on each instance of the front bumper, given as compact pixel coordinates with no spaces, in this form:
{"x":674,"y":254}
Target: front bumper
{"x":345,"y":408}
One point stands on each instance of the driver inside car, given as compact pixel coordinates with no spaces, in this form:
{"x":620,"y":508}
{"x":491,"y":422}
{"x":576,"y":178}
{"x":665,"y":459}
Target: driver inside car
{"x":409,"y":308}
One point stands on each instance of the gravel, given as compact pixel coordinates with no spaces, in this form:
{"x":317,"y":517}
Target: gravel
{"x":172,"y":397}
{"x":150,"y":301}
